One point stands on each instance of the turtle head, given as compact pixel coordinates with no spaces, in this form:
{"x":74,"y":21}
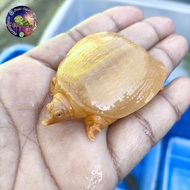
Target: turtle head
{"x":57,"y":110}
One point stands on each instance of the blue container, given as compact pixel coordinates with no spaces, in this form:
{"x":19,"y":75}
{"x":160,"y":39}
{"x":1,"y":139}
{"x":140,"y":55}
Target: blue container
{"x":14,"y":51}
{"x":177,"y":165}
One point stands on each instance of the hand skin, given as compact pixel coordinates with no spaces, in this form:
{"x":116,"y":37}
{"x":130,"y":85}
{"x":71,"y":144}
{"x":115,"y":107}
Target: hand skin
{"x":61,"y":156}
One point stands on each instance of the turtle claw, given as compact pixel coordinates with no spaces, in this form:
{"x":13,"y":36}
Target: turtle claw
{"x":93,"y":130}
{"x":95,"y":124}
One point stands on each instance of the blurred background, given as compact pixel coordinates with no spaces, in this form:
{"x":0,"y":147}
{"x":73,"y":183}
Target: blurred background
{"x":167,"y":166}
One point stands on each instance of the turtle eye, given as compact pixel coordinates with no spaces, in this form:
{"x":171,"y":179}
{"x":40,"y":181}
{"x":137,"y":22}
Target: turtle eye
{"x":58,"y":114}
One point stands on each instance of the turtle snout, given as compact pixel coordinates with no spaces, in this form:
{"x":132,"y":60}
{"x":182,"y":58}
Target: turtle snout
{"x":46,"y":121}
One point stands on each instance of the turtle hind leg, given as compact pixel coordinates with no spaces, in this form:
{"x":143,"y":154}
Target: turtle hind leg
{"x":95,"y":124}
{"x":52,"y":85}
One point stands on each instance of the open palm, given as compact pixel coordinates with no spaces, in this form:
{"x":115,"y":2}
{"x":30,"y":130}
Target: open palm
{"x":61,"y":156}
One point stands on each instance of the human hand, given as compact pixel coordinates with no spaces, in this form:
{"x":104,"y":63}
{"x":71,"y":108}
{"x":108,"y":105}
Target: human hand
{"x":61,"y":156}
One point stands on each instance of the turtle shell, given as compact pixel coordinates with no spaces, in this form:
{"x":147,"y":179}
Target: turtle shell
{"x":107,"y":74}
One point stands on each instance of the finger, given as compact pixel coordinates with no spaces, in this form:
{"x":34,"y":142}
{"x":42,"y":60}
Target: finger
{"x":53,"y":51}
{"x":113,"y":20}
{"x":149,"y":31}
{"x":132,"y":137}
{"x":170,"y":51}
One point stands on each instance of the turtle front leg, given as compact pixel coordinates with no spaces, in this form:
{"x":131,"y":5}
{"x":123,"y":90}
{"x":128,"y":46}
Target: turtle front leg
{"x":95,"y":124}
{"x":52,"y":85}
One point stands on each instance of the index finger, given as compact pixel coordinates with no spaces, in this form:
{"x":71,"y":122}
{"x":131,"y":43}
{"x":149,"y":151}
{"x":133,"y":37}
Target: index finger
{"x":54,"y":50}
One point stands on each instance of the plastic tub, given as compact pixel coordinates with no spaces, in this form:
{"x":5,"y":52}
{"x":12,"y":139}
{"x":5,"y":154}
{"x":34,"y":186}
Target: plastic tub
{"x":177,"y":165}
{"x":14,"y":51}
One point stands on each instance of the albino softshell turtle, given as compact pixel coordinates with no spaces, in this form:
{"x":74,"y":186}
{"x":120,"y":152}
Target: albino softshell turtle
{"x":104,"y":77}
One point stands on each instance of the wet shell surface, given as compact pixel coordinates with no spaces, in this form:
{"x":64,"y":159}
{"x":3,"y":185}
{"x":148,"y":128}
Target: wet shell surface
{"x":104,"y":77}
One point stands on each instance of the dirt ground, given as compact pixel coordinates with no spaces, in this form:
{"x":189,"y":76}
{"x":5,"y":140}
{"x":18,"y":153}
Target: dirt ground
{"x":44,"y":10}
